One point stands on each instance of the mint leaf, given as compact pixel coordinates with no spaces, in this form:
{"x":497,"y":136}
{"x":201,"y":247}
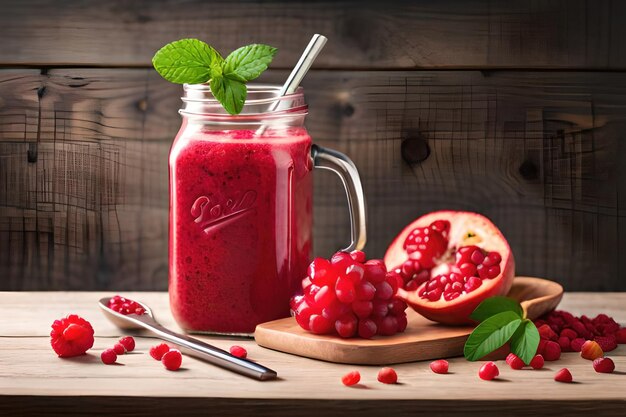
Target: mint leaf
{"x":187,"y":61}
{"x":230,"y":93}
{"x":248,"y":62}
{"x":495,"y":305}
{"x":525,"y":341}
{"x":491,"y":334}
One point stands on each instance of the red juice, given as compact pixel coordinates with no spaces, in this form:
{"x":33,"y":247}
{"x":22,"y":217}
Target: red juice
{"x":240,"y":226}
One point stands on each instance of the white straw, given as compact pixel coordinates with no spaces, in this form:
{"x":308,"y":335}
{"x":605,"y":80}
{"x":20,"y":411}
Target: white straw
{"x":297,"y":74}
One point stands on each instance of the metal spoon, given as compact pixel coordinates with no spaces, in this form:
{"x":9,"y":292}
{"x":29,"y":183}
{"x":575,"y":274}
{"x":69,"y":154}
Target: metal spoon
{"x":189,"y":345}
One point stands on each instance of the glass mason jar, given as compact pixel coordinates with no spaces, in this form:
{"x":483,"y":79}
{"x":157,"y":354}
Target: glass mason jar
{"x":241,"y":209}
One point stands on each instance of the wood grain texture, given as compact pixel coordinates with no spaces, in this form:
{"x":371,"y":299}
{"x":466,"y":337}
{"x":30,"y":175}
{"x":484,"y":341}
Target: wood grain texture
{"x":422,"y":339}
{"x":83,"y":168}
{"x":364,"y":34}
{"x":34,"y":381}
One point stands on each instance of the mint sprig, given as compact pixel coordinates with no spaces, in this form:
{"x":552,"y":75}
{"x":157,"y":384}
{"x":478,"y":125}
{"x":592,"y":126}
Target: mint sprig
{"x":502,"y":320}
{"x":192,"y":61}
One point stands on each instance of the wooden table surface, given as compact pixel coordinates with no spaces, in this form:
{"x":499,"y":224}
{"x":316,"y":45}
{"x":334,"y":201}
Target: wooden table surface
{"x":33,"y":381}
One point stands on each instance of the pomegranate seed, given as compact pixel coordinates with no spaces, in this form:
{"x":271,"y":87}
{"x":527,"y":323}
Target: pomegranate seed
{"x":542,"y":345}
{"x":324,"y":296}
{"x":128,"y":342}
{"x":387,"y":376}
{"x":439,"y":366}
{"x":569,"y":333}
{"x":477,"y":257}
{"x":488,"y":371}
{"x":388,"y":326}
{"x":365,"y":291}
{"x":345,"y":290}
{"x":238,"y":351}
{"x":334,"y":310}
{"x":468,"y":269}
{"x":537,"y":362}
{"x":492,"y":258}
{"x":159,"y":350}
{"x":564,"y":342}
{"x":603,"y":365}
{"x":172,"y":360}
{"x":367,"y":328}
{"x":381,"y":308}
{"x":397,"y":307}
{"x":426,"y":244}
{"x":319,"y":324}
{"x":441,"y":226}
{"x":375,"y":271}
{"x":545,"y":332}
{"x":563,"y":375}
{"x":108,"y":356}
{"x":514,"y":361}
{"x":402,"y":322}
{"x":320,"y":271}
{"x":384,"y":291}
{"x":492,"y":272}
{"x":408,"y":268}
{"x":551,"y":351}
{"x":355,"y":273}
{"x":472,"y":284}
{"x":577,"y":344}
{"x":119,"y":349}
{"x":346,"y":326}
{"x":358,"y":256}
{"x":362,"y":309}
{"x":351,"y":378}
{"x":591,"y":350}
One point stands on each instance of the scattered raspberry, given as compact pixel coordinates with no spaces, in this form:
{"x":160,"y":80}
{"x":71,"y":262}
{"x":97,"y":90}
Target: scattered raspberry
{"x":238,"y":351}
{"x":537,"y":362}
{"x":128,"y":342}
{"x":125,"y":306}
{"x":350,"y":297}
{"x":564,"y":343}
{"x":439,"y":366}
{"x":545,"y":332}
{"x":564,"y":375}
{"x":159,"y":350}
{"x":119,"y":349}
{"x":514,"y":361}
{"x":71,"y":336}
{"x":351,"y":378}
{"x":607,"y":343}
{"x":108,"y":356}
{"x":603,"y":365}
{"x":387,"y":376}
{"x":577,"y":344}
{"x":591,"y":350}
{"x":620,"y":335}
{"x":488,"y":371}
{"x":551,"y":351}
{"x":172,"y":359}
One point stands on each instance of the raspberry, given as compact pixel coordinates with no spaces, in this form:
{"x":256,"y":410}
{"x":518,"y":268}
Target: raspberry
{"x":125,"y":306}
{"x":128,"y":342}
{"x":159,"y":350}
{"x":108,"y":356}
{"x":577,"y":344}
{"x":546,"y":332}
{"x":603,"y":365}
{"x":620,"y":335}
{"x":607,"y":343}
{"x":564,"y":343}
{"x":439,"y":366}
{"x":514,"y":361}
{"x":238,"y":351}
{"x":387,"y":376}
{"x":172,"y":360}
{"x":119,"y":349}
{"x":488,"y":371}
{"x":351,"y":378}
{"x":71,"y":336}
{"x":569,"y":333}
{"x":537,"y":362}
{"x":591,"y":350}
{"x":563,"y":375}
{"x":348,"y":296}
{"x":551,"y":351}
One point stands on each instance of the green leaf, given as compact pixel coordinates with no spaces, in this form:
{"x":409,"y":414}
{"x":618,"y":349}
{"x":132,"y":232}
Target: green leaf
{"x":491,"y":334}
{"x":231,"y":93}
{"x":187,"y":61}
{"x":495,"y":305}
{"x":248,"y":62}
{"x":525,"y":341}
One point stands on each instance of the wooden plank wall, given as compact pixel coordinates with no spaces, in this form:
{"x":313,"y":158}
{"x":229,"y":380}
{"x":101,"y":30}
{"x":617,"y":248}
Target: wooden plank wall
{"x":513,"y":109}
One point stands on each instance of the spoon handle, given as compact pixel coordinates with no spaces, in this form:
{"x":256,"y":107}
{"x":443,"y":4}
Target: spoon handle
{"x":211,"y":354}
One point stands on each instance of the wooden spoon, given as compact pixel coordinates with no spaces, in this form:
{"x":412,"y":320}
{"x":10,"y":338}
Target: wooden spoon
{"x":537,"y":296}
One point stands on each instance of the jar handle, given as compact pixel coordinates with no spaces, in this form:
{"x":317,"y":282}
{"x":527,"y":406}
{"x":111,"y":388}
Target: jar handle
{"x":341,"y":165}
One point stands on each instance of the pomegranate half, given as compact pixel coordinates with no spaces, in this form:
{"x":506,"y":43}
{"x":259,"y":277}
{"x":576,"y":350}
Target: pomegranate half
{"x":450,"y":261}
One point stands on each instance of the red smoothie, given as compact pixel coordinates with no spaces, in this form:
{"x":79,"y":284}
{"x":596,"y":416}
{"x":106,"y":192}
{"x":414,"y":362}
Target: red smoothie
{"x":240,"y":226}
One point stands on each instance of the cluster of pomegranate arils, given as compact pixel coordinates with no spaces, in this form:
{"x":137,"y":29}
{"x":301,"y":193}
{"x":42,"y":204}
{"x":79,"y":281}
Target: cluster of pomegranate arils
{"x":350,"y":296}
{"x":125,"y":306}
{"x":426,"y":245}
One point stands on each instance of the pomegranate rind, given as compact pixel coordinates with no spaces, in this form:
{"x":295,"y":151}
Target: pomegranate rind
{"x":487,"y":236}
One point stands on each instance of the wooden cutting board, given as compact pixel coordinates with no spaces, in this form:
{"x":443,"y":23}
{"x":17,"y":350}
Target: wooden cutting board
{"x":422,"y":339}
